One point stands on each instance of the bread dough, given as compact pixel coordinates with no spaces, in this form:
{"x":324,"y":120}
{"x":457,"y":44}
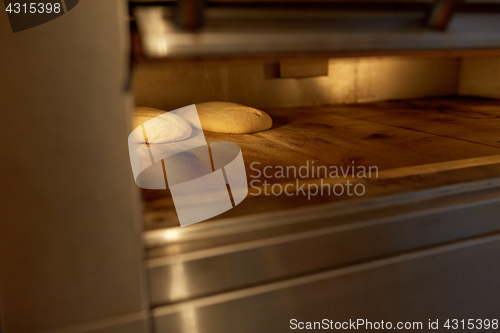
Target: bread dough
{"x":165,"y":127}
{"x":191,"y":116}
{"x":143,"y":114}
{"x":224,"y":117}
{"x":219,"y":117}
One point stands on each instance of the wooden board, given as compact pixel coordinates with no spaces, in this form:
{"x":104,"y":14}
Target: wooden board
{"x":467,"y":119}
{"x":408,"y":141}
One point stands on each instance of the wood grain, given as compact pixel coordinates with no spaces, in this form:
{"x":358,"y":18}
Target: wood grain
{"x":410,"y":141}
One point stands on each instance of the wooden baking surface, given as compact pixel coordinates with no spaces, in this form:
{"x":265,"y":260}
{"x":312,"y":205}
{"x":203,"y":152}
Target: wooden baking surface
{"x":410,"y":141}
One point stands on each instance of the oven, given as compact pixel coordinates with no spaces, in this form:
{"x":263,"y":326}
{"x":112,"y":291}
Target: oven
{"x":406,"y":96}
{"x":374,"y":196}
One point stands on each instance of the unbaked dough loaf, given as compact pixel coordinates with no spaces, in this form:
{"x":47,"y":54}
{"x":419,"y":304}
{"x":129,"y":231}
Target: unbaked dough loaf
{"x":164,"y":127}
{"x":224,"y":117}
{"x":143,"y":114}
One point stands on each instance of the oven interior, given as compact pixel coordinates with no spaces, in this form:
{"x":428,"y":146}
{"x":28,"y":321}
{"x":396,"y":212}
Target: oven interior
{"x":420,"y":106}
{"x":419,"y":122}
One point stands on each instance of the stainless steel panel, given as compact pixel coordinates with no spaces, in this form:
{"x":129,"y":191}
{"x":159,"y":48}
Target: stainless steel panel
{"x":158,"y":242}
{"x":138,"y":322}
{"x":318,"y":243}
{"x":460,"y":280}
{"x":229,"y":31}
{"x":71,"y":249}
